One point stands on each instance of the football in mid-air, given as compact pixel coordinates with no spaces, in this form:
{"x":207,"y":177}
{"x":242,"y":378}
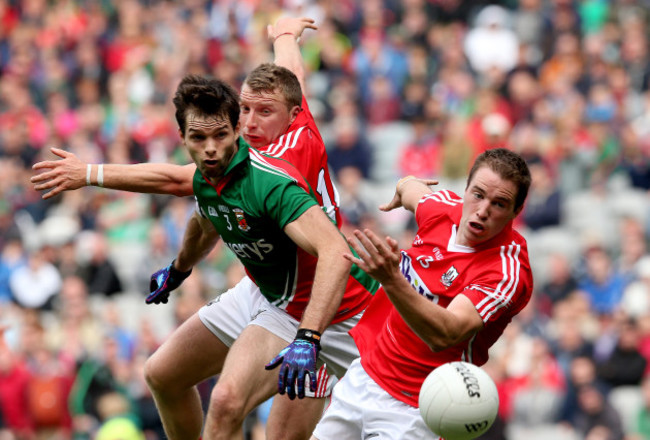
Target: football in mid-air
{"x":458,"y":401}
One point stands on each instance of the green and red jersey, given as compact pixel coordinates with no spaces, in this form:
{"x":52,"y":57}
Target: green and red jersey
{"x":250,"y":206}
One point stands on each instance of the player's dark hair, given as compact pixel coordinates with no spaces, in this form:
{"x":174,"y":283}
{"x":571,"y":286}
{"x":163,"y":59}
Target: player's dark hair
{"x":269,"y":77}
{"x":207,"y":97}
{"x":509,"y":166}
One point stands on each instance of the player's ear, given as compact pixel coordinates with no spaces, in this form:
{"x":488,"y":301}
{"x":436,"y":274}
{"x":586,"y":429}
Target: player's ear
{"x":294,"y":113}
{"x":237,"y":128}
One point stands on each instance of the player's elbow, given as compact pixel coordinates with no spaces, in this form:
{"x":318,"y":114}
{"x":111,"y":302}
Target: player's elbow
{"x":180,"y":180}
{"x":337,"y":260}
{"x":179,"y":190}
{"x":441,"y":340}
{"x":438,"y":344}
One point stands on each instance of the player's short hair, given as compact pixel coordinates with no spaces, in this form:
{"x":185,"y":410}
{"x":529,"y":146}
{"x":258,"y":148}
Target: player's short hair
{"x":269,"y":77}
{"x":207,"y":97}
{"x":509,"y":166}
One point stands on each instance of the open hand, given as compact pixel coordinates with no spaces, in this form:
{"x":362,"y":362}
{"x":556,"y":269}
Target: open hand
{"x":290,"y":25}
{"x":379,"y":259}
{"x":66,"y":174}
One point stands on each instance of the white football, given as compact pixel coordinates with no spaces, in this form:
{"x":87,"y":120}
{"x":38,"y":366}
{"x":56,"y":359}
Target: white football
{"x":458,"y":401}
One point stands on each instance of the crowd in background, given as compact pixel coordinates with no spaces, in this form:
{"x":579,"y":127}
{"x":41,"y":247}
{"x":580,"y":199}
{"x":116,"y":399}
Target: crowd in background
{"x":398,"y":87}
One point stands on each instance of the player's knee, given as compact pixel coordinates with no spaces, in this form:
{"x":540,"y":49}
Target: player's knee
{"x":154,"y":375}
{"x":227,"y":404}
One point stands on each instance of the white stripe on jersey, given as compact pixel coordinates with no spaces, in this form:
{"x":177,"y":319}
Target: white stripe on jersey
{"x":259,"y":162}
{"x":279,"y":148}
{"x":497,"y":298}
{"x":467,"y":355}
{"x":442,"y":196}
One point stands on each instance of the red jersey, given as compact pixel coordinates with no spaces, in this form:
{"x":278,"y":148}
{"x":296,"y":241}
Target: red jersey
{"x":495,"y":276}
{"x":303,"y":147}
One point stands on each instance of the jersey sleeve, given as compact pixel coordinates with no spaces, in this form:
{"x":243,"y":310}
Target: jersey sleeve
{"x":286,"y":202}
{"x":503,"y":284}
{"x":432,"y":206}
{"x":281,"y":192}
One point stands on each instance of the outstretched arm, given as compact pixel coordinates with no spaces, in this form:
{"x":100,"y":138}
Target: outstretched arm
{"x":408,"y":192}
{"x":70,"y":173}
{"x":285,"y":35}
{"x":438,"y":327}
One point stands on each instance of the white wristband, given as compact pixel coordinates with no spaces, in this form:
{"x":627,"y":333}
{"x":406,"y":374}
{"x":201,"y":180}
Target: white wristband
{"x":88,"y":169}
{"x":100,"y":175}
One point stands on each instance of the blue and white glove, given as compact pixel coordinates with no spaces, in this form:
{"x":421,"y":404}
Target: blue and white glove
{"x":163,"y":282}
{"x":298,"y":359}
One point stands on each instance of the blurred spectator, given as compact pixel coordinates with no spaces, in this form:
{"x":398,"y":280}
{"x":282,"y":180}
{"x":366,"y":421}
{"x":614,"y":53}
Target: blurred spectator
{"x":582,"y":373}
{"x":50,"y":379}
{"x":35,"y":284}
{"x":350,"y":147}
{"x":596,"y":418}
{"x":77,"y":332}
{"x":14,"y":379}
{"x":529,"y":26}
{"x":413,"y":102}
{"x":354,"y":206}
{"x":633,"y":247}
{"x":633,"y":159}
{"x":97,"y":377}
{"x":560,"y":282}
{"x":537,"y":400}
{"x":570,"y":344}
{"x":421,"y":156}
{"x":383,"y":104}
{"x":602,"y":284}
{"x":544,"y":201}
{"x":523,"y":92}
{"x":625,"y":365}
{"x":159,"y":254}
{"x":97,"y":270}
{"x":12,"y":257}
{"x":489,"y":126}
{"x":117,"y":420}
{"x":491,"y":44}
{"x":457,"y":151}
{"x":375,"y":55}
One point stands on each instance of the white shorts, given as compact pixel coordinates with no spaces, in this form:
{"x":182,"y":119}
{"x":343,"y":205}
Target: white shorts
{"x":231,"y":312}
{"x":361,"y":409}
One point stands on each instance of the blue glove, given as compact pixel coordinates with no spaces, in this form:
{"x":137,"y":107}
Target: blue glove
{"x":298,"y":359}
{"x":163,"y":282}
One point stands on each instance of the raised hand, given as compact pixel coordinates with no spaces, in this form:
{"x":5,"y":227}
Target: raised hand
{"x":66,"y":174}
{"x":290,"y":25}
{"x":379,"y":259}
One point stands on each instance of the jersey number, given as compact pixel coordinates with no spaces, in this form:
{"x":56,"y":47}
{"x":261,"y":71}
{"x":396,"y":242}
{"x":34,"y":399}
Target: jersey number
{"x":228,"y":221}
